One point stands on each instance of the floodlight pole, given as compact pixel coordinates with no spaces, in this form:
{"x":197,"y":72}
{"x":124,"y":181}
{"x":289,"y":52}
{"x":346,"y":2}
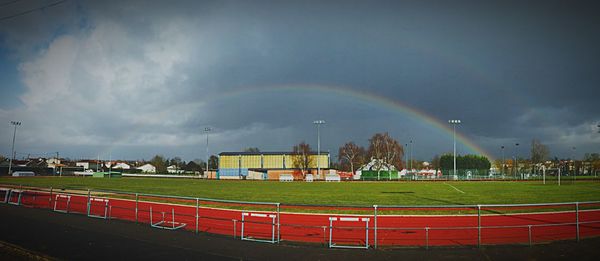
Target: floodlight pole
{"x":454,"y":123}
{"x":318,"y":123}
{"x":411,"y":155}
{"x":502,"y":147}
{"x":573,"y":159}
{"x":516,"y":160}
{"x":12,"y":151}
{"x":207,"y":130}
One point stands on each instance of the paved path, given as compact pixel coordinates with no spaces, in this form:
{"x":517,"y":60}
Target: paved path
{"x":77,"y":237}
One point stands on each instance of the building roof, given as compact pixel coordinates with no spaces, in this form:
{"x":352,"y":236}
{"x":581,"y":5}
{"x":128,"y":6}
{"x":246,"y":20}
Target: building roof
{"x":266,"y":153}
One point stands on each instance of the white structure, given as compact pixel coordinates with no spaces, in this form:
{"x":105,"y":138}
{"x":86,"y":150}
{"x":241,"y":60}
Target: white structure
{"x":147,"y":168}
{"x":23,"y":174}
{"x":174,"y":169}
{"x":121,"y":165}
{"x":309,"y":178}
{"x":87,"y":165}
{"x":286,"y":177}
{"x":332,"y":178}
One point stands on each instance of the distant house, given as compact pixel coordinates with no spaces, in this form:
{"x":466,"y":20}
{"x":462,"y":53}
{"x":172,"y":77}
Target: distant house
{"x":147,"y":168}
{"x":88,"y":164}
{"x":121,"y":165}
{"x":174,"y":169}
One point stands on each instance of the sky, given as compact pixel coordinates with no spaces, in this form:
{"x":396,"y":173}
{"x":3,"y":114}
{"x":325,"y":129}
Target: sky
{"x":132,"y":79}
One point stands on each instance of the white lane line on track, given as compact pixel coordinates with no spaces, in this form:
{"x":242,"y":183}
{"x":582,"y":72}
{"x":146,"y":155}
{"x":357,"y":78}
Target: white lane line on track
{"x":455,"y":188}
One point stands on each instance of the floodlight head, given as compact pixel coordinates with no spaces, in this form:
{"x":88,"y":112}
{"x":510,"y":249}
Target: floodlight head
{"x":16,"y":123}
{"x":207,"y":129}
{"x":319,"y":122}
{"x":454,"y":121}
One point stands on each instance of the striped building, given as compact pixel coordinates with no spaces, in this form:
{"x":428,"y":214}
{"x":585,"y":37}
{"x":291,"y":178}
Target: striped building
{"x":244,"y":164}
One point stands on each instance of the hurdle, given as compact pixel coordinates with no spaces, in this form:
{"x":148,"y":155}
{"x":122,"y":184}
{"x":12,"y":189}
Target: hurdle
{"x":161,"y":224}
{"x":103,"y":202}
{"x":5,"y":192}
{"x":11,"y":192}
{"x":261,"y":215}
{"x":348,"y":219}
{"x":58,"y":198}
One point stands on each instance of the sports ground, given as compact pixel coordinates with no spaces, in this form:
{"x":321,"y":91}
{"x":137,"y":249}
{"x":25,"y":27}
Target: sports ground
{"x":340,"y":193}
{"x":353,"y":214}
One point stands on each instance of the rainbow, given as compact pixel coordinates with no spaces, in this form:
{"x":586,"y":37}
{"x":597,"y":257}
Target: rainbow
{"x":359,"y":96}
{"x":366,"y":97}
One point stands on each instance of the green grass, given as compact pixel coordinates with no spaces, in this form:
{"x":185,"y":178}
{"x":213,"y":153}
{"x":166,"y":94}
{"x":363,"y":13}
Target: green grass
{"x":343,"y":193}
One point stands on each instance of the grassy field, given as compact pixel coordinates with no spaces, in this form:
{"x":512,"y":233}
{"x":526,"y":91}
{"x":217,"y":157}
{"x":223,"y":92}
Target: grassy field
{"x":344,"y":193}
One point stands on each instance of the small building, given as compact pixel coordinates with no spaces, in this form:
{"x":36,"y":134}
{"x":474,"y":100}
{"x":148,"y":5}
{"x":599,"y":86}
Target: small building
{"x":377,"y":169}
{"x":147,"y":168}
{"x":174,"y":169}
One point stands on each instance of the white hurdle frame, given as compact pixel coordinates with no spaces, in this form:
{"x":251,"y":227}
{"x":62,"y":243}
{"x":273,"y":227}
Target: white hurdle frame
{"x":89,"y":208}
{"x":159,"y":223}
{"x":7,"y":192}
{"x":353,"y":219}
{"x":59,"y":196}
{"x":10,"y":194}
{"x":262,"y":215}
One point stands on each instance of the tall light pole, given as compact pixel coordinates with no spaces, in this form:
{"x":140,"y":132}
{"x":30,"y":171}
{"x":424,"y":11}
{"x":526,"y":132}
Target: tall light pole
{"x":411,"y":155}
{"x":207,"y":130}
{"x":502,"y":147}
{"x":516,"y":160}
{"x":573,"y":159}
{"x":12,"y":151}
{"x":454,"y":123}
{"x":405,"y":157}
{"x":318,"y":123}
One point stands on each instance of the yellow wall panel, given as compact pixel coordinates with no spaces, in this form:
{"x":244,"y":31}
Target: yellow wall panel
{"x":251,"y":161}
{"x":273,"y":161}
{"x":229,"y":162}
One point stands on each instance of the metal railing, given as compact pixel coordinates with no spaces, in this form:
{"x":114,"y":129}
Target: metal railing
{"x":219,"y":216}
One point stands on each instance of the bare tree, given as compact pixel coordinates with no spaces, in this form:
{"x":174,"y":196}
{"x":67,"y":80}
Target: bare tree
{"x":385,"y":150}
{"x":539,"y":151}
{"x":301,"y":157}
{"x":351,"y":153}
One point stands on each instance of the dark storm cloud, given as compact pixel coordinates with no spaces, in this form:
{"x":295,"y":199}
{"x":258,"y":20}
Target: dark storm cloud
{"x":159,"y":72}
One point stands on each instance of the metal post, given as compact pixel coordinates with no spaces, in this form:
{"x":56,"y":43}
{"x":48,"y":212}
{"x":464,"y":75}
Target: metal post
{"x":367,"y":234}
{"x":278,"y":222}
{"x":330,"y":227}
{"x":529,"y":227}
{"x":427,"y":238}
{"x":136,"y":207}
{"x":577,"y":218}
{"x":207,"y":129}
{"x":173,"y":217}
{"x":242,"y":234}
{"x":318,"y":123}
{"x":197,"y":206}
{"x":50,"y":199}
{"x":375,"y":221}
{"x":234,"y":227}
{"x":478,"y":225}
{"x":88,"y":202}
{"x":559,"y":175}
{"x":12,"y":155}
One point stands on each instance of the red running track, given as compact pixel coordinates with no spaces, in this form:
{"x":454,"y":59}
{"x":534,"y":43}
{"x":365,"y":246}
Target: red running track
{"x":392,"y":230}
